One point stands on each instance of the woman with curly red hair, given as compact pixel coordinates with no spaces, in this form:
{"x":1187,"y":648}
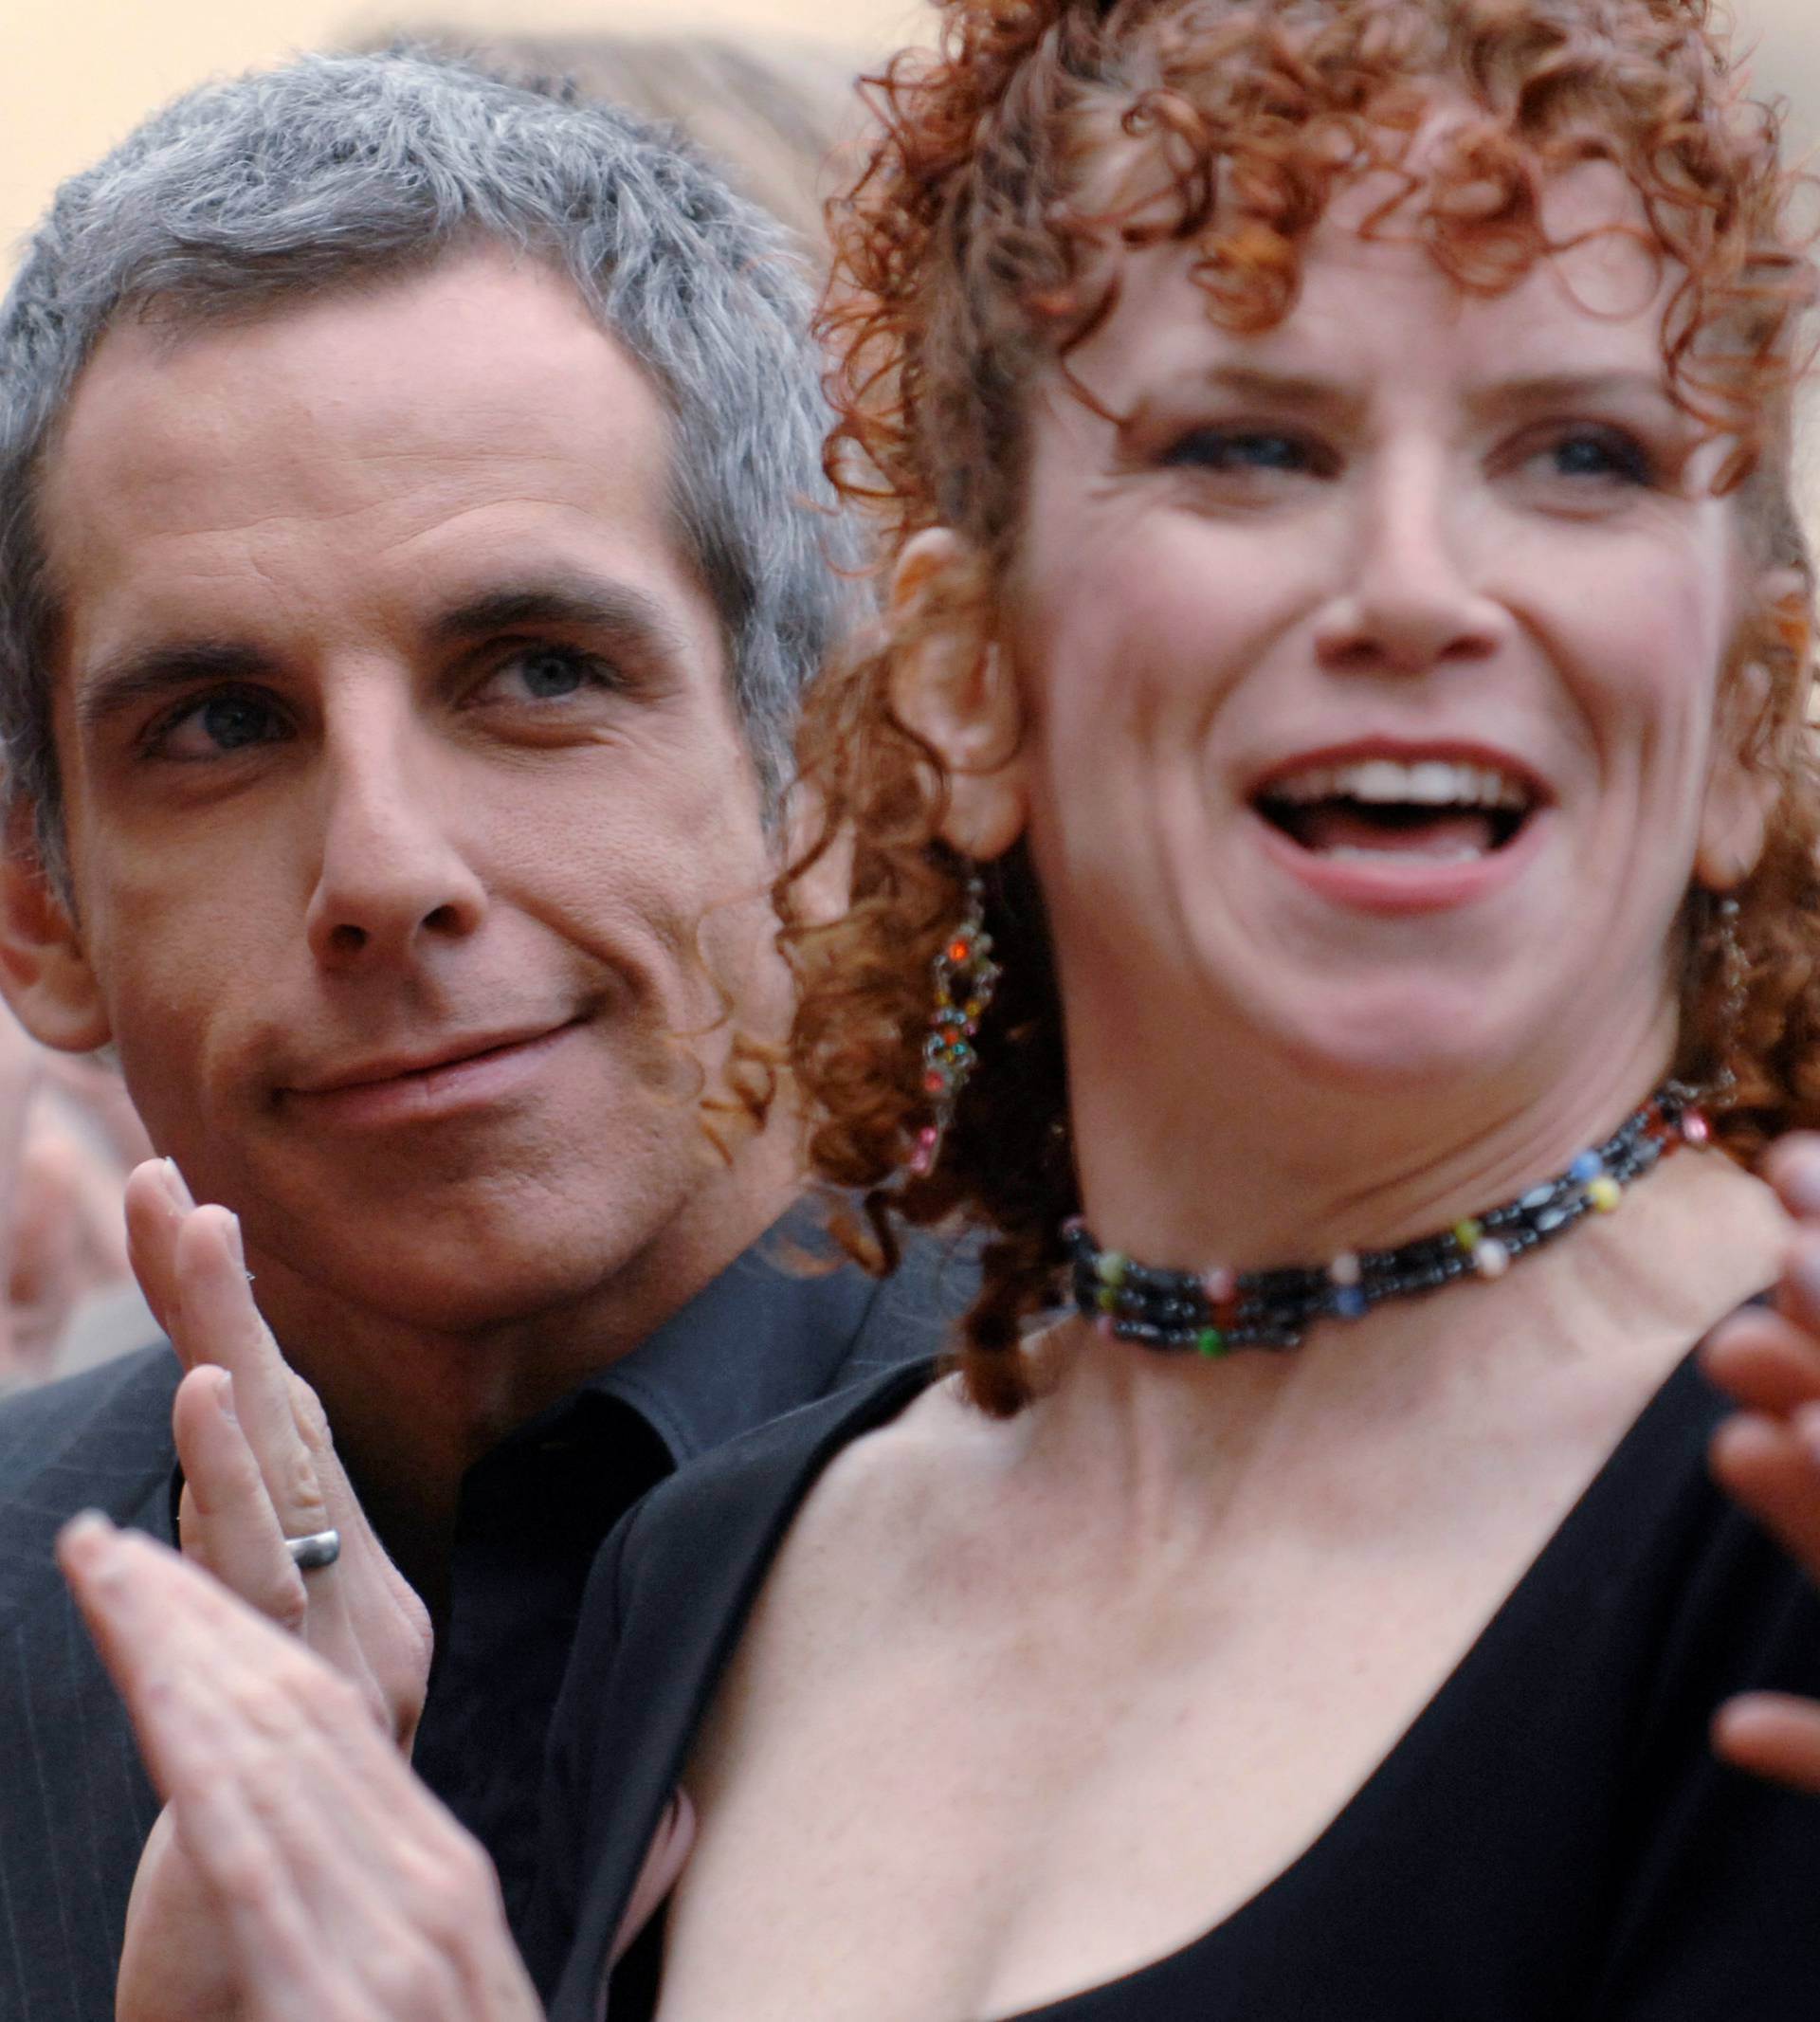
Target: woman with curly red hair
{"x":1330,"y":839}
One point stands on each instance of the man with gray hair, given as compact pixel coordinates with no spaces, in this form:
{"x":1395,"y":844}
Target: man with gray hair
{"x":411,"y":551}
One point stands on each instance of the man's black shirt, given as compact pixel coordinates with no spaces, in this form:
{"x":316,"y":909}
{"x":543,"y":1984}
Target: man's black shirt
{"x":759,"y":1340}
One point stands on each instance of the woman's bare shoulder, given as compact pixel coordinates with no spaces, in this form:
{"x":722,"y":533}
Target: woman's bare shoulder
{"x":896,"y":1512}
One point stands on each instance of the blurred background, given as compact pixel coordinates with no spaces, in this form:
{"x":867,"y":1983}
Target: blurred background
{"x":764,"y":86}
{"x":76,"y":74}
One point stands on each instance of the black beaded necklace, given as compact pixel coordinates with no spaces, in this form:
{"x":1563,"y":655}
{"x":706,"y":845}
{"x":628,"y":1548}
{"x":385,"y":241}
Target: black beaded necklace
{"x":1212,"y":1312}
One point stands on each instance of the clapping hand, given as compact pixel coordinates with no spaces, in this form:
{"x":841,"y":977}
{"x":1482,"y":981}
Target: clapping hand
{"x":260,"y":1469}
{"x":1767,"y":1457}
{"x":338,"y":1889}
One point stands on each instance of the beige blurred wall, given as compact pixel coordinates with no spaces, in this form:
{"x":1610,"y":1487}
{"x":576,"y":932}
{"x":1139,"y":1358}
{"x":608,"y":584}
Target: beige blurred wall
{"x":76,"y":74}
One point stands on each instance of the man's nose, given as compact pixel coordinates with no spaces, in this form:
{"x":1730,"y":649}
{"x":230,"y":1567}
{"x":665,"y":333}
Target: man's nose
{"x":392,"y":874}
{"x":1412,"y":600}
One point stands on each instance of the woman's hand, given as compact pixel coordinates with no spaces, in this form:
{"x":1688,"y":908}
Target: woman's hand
{"x":342,"y":1890}
{"x":259,"y":1467}
{"x":1768,"y":1456}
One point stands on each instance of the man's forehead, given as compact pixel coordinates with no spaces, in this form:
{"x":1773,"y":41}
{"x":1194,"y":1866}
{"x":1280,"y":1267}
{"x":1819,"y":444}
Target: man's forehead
{"x":326,"y":404}
{"x":450,"y":423}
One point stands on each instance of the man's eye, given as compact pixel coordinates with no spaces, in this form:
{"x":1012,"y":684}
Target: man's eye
{"x":1270,"y":449}
{"x":218,"y":724}
{"x":548,"y":674}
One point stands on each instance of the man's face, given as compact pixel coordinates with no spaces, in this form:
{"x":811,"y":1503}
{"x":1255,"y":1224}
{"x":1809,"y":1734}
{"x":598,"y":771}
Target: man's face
{"x":401,"y":771}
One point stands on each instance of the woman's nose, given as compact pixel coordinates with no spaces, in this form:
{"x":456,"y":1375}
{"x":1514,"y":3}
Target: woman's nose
{"x":1411,"y":599}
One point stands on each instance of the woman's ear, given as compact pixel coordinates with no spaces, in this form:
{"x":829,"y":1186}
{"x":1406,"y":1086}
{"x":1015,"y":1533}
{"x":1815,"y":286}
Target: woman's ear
{"x":1741,"y":792}
{"x":45,"y":973}
{"x":954,"y":686}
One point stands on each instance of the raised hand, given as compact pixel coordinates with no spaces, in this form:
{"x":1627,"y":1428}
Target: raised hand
{"x":1767,"y":1457}
{"x":260,"y":1469}
{"x":340,"y":1889}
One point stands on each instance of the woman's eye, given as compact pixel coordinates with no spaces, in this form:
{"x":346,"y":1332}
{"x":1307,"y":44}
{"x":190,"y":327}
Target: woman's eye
{"x":1246,"y":449}
{"x":218,"y":725}
{"x":1608,"y":455}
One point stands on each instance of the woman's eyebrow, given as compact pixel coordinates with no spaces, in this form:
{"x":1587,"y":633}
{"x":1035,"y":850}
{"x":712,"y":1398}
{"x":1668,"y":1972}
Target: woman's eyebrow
{"x":1302,"y":393}
{"x":1572,"y":389}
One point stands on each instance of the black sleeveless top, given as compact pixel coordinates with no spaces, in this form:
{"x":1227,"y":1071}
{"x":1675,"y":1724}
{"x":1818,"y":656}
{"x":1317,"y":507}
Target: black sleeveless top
{"x":1549,"y":1839}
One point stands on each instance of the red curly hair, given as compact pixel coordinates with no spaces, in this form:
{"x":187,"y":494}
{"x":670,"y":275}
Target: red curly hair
{"x":984,"y":239}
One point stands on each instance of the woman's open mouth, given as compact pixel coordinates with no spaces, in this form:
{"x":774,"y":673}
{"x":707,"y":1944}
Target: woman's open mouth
{"x":1421,"y":811}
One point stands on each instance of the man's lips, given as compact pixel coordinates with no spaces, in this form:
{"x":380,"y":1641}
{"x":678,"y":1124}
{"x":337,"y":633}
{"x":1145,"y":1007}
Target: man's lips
{"x":474,"y":1071}
{"x":425,"y":1059}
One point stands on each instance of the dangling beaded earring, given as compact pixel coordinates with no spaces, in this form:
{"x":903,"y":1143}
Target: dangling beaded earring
{"x":965,"y":975}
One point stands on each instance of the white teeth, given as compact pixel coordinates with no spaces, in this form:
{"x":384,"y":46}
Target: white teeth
{"x":1451,"y":854}
{"x":1425,"y":783}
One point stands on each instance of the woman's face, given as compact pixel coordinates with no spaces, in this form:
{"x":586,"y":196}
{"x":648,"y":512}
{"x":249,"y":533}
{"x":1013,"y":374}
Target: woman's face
{"x":1369,"y":665}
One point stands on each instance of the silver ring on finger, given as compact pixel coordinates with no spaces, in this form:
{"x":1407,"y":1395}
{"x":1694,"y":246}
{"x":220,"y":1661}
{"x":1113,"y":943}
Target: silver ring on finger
{"x":311,"y":1553}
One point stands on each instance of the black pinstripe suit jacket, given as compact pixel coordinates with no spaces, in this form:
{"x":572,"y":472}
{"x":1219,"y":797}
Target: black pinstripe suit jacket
{"x":75,"y":1805}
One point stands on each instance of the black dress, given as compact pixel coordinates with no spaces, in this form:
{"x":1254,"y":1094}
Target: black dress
{"x":1551,"y":1838}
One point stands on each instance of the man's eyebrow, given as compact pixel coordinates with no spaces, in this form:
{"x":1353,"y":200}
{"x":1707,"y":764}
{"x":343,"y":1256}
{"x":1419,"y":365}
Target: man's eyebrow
{"x":615,"y":611}
{"x":142,"y":674}
{"x":572,"y":604}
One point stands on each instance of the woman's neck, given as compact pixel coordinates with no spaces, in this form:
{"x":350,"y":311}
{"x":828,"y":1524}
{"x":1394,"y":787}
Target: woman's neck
{"x":1617,"y":1303}
{"x":1255,"y":1161}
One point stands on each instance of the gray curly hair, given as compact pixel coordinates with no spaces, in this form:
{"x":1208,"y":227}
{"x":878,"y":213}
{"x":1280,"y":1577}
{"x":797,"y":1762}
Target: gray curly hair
{"x":242,"y":194}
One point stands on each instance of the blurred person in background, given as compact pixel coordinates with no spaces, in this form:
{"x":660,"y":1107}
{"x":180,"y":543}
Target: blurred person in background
{"x":412,"y":543}
{"x":68,"y":1138}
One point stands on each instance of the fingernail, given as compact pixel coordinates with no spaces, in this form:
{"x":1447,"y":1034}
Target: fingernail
{"x":225,"y":1396}
{"x":179,"y":1189}
{"x":235,"y":1246}
{"x":84,"y":1534}
{"x":1800,"y":1183}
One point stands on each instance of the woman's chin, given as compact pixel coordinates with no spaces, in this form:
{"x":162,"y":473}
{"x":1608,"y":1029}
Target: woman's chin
{"x":1399,"y":1042}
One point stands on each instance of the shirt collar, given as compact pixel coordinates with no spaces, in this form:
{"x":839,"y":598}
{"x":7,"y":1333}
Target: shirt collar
{"x":769,"y":1333}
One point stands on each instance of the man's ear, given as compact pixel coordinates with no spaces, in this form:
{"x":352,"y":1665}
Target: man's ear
{"x":954,"y":686}
{"x":43,"y":971}
{"x":1741,"y":795}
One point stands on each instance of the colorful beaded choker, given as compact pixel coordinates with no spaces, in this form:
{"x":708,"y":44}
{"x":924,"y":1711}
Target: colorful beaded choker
{"x":1214,"y":1311}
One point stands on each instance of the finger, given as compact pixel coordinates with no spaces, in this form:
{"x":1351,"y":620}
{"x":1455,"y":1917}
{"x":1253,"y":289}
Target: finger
{"x":360,"y":1611}
{"x":1773,"y":1468}
{"x":1766,"y":1362}
{"x":1792,"y":1168}
{"x":157,"y":1203}
{"x":363,"y":1613}
{"x":1771,"y":1734}
{"x":220,"y":1324}
{"x":227,"y":1521}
